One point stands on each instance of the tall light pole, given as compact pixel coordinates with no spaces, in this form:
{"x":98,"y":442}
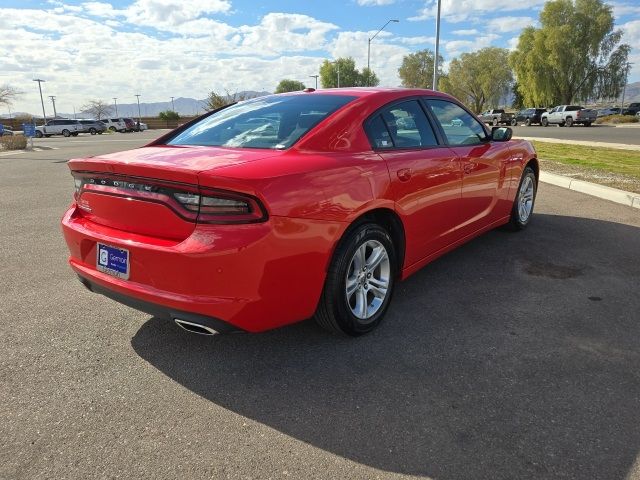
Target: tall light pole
{"x":115,"y":103}
{"x":624,"y":88}
{"x":435,"y":58}
{"x":53,"y":100}
{"x":44,"y":115}
{"x":316,"y":77}
{"x":337,"y":64}
{"x":139,"y":116}
{"x":173,"y":108}
{"x":369,"y":45}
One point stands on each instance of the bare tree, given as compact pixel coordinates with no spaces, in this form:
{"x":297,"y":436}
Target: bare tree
{"x":97,"y":109}
{"x":8,"y":94}
{"x":216,"y":100}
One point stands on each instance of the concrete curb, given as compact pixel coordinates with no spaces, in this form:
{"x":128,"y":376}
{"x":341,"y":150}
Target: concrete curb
{"x":612,"y":194}
{"x":617,"y":146}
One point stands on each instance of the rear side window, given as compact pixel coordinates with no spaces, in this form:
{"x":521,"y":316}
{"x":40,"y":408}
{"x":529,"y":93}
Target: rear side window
{"x":402,"y":125}
{"x":268,"y":122}
{"x":572,"y":108}
{"x":459,"y":126}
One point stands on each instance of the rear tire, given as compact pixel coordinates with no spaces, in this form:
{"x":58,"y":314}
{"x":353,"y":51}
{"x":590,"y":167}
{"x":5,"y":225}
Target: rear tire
{"x":524,"y":202}
{"x":360,"y":282}
{"x":93,"y":131}
{"x":494,"y":122}
{"x":569,"y":122}
{"x":514,"y":122}
{"x":587,"y":124}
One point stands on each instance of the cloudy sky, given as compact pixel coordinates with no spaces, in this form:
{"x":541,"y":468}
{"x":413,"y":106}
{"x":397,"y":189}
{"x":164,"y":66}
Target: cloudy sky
{"x":164,"y":48}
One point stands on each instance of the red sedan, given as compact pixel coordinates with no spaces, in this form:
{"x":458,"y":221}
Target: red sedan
{"x":286,"y":207}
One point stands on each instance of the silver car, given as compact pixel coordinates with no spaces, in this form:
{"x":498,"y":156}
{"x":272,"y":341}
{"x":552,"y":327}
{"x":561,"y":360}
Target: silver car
{"x":92,"y":126}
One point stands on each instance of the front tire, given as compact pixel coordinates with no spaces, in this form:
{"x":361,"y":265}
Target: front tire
{"x":514,"y":122}
{"x":544,"y":122}
{"x":527,"y":122}
{"x":93,"y":131}
{"x":39,"y":134}
{"x":66,"y":133}
{"x":112,"y":129}
{"x":494,"y":122}
{"x":522,"y":210}
{"x":360,"y":282}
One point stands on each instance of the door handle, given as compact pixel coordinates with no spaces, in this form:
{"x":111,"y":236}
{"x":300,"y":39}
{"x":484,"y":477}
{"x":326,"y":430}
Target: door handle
{"x":468,"y":167}
{"x":404,"y":174}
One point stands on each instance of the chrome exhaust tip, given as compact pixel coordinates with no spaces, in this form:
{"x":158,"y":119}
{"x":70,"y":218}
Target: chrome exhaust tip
{"x":195,"y":327}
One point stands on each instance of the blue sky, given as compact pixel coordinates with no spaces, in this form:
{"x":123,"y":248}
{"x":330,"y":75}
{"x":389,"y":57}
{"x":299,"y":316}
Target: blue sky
{"x":163,"y":48}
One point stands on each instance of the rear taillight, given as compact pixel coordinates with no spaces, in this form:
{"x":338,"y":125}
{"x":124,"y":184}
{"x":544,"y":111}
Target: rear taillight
{"x":221,"y":206}
{"x":188,"y":201}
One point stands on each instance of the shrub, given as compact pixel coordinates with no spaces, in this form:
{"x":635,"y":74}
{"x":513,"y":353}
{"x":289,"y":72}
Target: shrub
{"x":13,"y":142}
{"x":618,"y":119}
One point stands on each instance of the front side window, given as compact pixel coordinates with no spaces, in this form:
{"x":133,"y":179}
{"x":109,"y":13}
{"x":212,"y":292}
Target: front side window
{"x":459,"y":126}
{"x":402,"y":125}
{"x":268,"y":122}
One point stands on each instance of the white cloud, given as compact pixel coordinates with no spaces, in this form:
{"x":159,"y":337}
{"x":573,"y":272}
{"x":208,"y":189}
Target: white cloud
{"x":461,"y":10}
{"x":623,"y":9}
{"x":510,"y":24}
{"x":376,"y":3}
{"x":471,"y":31}
{"x":455,"y":47}
{"x":419,"y":40}
{"x":632,"y":37}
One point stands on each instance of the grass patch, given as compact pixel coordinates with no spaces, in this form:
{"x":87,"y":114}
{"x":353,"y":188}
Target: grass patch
{"x":13,"y":142}
{"x":615,"y":119}
{"x":625,"y":162}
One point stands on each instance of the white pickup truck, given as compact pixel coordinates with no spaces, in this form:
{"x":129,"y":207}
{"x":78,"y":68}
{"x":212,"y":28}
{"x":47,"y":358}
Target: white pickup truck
{"x":569,"y":115}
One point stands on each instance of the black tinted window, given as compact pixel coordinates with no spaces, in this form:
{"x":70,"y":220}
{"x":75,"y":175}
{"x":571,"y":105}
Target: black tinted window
{"x":269,"y":122}
{"x":572,"y":108}
{"x":408,"y":125}
{"x":378,"y":134}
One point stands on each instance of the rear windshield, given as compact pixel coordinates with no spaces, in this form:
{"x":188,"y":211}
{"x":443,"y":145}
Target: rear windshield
{"x":275,"y":122}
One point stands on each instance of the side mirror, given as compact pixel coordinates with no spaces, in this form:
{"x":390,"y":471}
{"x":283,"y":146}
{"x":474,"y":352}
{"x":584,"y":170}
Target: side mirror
{"x":501,"y":134}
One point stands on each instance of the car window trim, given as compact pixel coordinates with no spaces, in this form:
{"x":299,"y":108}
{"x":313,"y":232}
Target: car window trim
{"x":378,"y":112}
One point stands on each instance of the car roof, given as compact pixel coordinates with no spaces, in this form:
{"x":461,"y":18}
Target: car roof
{"x":361,"y":92}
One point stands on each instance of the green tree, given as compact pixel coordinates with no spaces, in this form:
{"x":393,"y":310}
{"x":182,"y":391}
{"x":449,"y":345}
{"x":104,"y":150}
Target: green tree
{"x":350,"y":76}
{"x":217,"y":100}
{"x":518,"y":100}
{"x":369,"y":78}
{"x":416,"y":70}
{"x":287,"y":85}
{"x":169,"y":116}
{"x":575,"y":54}
{"x":479,"y":78}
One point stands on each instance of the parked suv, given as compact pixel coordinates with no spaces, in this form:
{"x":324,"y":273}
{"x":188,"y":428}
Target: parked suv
{"x":5,"y":131}
{"x":60,"y":126}
{"x":130,"y":125}
{"x":528,"y":116}
{"x":92,"y":127}
{"x":115,"y":124}
{"x":632,"y":109}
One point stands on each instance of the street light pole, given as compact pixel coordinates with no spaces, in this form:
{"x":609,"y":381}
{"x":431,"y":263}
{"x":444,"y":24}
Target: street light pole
{"x":369,"y":46}
{"x":44,"y":115}
{"x":624,"y":88}
{"x":53,"y":100}
{"x":316,"y":77}
{"x":115,"y":102}
{"x":173,"y":108}
{"x":435,"y":58}
{"x":139,"y":116}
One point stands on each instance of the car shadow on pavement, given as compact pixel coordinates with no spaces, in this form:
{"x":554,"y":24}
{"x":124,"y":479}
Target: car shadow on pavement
{"x":515,"y":356}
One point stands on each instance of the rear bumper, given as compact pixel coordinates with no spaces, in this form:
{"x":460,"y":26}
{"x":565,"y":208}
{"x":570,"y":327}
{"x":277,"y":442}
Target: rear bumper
{"x":160,"y":311}
{"x":250,"y":277}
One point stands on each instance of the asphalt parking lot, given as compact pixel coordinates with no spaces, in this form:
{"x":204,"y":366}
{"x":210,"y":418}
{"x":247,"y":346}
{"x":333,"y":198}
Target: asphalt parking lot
{"x":515,"y":356}
{"x":594,"y":133}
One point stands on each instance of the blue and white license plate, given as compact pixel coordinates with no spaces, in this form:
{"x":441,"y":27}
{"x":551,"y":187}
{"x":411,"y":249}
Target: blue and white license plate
{"x":112,"y":260}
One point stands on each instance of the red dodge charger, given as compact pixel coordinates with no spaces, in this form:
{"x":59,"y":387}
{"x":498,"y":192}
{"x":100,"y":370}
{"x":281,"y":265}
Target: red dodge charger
{"x":286,"y":207}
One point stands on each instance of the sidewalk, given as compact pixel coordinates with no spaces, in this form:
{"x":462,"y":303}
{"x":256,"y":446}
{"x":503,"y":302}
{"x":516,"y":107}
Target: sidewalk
{"x":612,"y":194}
